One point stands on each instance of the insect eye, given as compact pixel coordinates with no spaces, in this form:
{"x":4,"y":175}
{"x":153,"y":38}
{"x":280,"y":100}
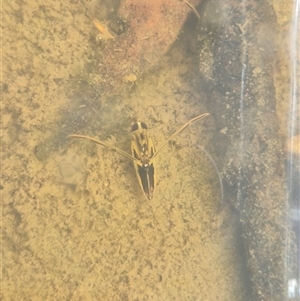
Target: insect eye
{"x":134,"y":127}
{"x":143,"y":125}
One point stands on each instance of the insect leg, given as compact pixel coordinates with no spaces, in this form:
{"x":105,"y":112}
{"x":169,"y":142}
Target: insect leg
{"x":180,"y":130}
{"x":108,"y":146}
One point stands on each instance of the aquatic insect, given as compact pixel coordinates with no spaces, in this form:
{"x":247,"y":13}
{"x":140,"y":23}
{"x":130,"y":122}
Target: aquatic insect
{"x":143,"y":152}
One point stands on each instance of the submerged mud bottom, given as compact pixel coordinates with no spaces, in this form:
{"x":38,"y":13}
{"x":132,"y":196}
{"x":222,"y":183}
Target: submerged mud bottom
{"x":77,"y":225}
{"x":240,"y":72}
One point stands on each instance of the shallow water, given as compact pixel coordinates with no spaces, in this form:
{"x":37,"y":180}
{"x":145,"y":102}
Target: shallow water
{"x":76,"y":224}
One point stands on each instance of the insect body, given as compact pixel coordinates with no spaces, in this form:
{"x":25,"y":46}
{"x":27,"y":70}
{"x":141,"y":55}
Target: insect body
{"x":142,"y":149}
{"x":143,"y":152}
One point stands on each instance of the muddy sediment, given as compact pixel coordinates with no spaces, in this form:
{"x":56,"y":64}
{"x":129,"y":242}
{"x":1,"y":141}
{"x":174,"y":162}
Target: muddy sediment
{"x":239,"y":64}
